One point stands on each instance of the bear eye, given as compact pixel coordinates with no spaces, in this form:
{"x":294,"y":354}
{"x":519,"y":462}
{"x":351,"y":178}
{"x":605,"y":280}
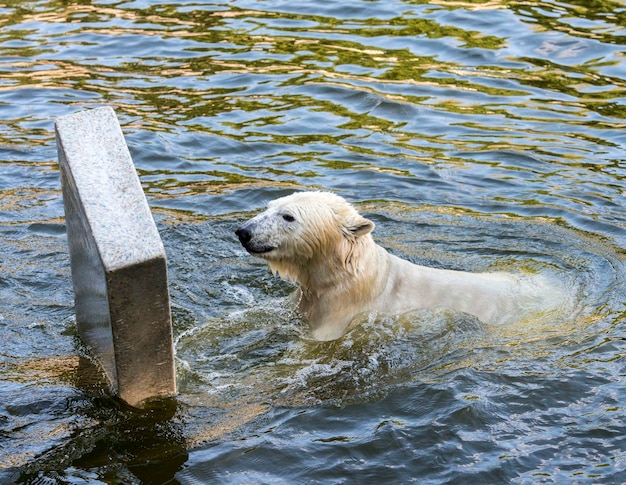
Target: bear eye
{"x":289,"y":217}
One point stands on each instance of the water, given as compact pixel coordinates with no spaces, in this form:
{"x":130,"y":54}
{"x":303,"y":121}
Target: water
{"x":477,"y":135}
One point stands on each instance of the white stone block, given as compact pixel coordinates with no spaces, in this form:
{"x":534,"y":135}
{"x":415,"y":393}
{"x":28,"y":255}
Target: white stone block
{"x":118,"y":262}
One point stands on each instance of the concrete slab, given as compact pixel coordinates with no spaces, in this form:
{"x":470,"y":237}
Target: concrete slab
{"x":118,"y":262}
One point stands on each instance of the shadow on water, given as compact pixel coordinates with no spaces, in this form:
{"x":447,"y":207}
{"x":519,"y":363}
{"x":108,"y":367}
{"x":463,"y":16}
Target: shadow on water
{"x":98,"y":431}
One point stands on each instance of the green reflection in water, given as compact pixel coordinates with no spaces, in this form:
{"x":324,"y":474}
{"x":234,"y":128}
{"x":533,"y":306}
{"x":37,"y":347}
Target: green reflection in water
{"x":253,"y":76}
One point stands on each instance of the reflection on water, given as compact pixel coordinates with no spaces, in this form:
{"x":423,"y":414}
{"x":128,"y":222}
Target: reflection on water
{"x":484,"y":135}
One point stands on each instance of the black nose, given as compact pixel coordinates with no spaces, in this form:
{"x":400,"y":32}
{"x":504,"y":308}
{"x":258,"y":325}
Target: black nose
{"x":244,"y":235}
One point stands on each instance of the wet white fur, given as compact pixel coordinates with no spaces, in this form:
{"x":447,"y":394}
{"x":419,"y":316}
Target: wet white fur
{"x":328,"y":250}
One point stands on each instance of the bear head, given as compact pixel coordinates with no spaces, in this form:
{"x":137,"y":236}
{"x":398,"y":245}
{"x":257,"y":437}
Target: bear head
{"x":304,"y":232}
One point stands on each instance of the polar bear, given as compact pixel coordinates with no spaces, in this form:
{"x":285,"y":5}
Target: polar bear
{"x":319,"y":241}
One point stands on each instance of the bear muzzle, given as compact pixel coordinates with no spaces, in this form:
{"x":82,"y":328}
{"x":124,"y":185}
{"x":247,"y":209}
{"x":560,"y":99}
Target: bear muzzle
{"x":247,"y":241}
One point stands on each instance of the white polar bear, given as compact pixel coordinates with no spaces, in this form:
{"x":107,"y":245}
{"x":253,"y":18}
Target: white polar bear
{"x":319,"y":241}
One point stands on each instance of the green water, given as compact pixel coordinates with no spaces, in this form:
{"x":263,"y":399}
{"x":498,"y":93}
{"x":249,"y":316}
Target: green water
{"x":478,"y":135}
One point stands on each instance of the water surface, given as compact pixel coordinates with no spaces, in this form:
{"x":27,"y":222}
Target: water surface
{"x":484,"y":135}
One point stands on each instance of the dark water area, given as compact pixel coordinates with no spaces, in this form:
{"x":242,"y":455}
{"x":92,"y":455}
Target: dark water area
{"x":477,"y":135}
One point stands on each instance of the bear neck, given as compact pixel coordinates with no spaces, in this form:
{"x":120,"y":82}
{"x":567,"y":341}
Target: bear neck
{"x":348,"y":280}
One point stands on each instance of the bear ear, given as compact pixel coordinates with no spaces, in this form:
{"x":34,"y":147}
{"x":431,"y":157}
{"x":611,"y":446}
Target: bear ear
{"x":360,"y":226}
